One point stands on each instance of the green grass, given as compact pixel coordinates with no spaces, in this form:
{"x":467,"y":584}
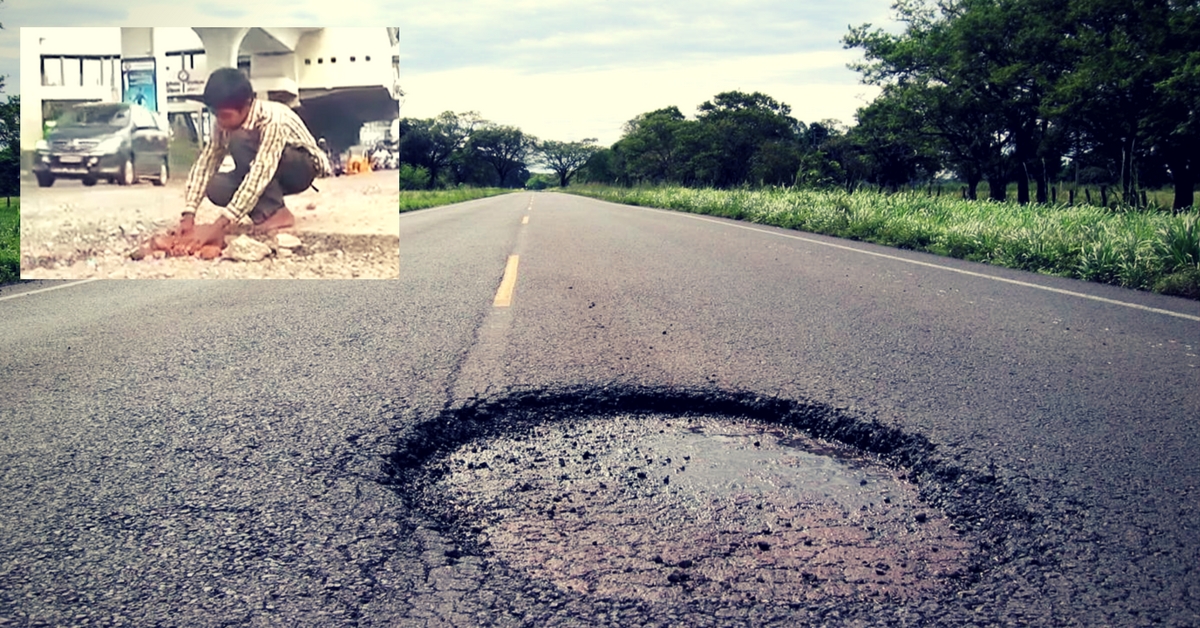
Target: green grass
{"x":182,"y":153}
{"x":10,"y":240}
{"x":1144,"y":250}
{"x":1162,"y":198}
{"x":411,"y":200}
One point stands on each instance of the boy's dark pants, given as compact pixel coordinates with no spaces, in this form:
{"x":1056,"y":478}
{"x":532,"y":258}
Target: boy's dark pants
{"x":294,"y":175}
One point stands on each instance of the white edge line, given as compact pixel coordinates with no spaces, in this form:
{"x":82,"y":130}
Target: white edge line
{"x":428,"y":210}
{"x":919,"y":263}
{"x":67,"y":285}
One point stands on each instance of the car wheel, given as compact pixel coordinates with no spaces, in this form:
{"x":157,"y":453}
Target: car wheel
{"x":90,"y":181}
{"x":45,"y":180}
{"x":162,"y":174}
{"x":126,"y":173}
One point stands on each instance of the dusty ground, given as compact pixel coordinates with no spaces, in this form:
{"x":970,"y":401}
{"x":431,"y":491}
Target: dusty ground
{"x":73,"y":232}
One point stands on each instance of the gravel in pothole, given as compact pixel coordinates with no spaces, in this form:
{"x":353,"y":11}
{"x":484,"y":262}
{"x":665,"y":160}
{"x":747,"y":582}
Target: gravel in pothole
{"x":664,"y":508}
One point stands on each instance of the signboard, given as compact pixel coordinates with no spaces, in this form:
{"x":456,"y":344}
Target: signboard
{"x":139,"y":82}
{"x":187,"y":83}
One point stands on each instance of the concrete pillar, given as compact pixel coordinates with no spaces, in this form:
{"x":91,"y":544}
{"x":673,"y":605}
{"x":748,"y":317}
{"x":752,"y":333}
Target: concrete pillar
{"x":221,"y":45}
{"x":31,"y":87}
{"x":140,"y":43}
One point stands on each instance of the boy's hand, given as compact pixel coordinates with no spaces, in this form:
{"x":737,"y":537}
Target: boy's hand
{"x":186,"y":224}
{"x":204,"y":235}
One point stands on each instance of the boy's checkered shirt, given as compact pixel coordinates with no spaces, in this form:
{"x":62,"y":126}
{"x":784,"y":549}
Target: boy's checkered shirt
{"x":280,"y":127}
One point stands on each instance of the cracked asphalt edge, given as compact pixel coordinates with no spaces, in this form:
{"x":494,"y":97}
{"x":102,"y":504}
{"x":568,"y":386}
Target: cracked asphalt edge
{"x":993,"y":517}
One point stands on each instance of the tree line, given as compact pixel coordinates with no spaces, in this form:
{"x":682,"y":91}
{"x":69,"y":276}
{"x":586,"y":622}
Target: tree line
{"x":1102,"y":92}
{"x":1036,"y":93}
{"x":464,"y":149}
{"x":10,"y":143}
{"x":1033,"y":92}
{"x":10,"y":139}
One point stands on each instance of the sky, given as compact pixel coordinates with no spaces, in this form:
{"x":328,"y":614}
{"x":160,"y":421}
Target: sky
{"x":556,"y":69}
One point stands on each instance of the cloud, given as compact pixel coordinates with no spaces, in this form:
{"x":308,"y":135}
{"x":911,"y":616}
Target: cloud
{"x":230,"y":13}
{"x":560,"y":68}
{"x":541,"y":37}
{"x":14,"y":14}
{"x":578,"y":104}
{"x":207,"y":13}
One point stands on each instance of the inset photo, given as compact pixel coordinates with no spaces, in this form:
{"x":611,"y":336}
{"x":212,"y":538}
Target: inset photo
{"x":209,"y":153}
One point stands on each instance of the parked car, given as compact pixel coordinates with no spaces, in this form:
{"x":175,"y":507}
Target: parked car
{"x":119,"y":142}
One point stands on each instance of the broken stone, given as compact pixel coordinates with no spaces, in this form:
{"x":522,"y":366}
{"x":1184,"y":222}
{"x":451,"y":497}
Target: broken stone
{"x":247,"y":249}
{"x":211,"y":251}
{"x":287,"y":241}
{"x":284,"y":253}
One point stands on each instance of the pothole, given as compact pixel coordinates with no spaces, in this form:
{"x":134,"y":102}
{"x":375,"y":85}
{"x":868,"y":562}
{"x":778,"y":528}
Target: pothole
{"x":668,"y":497}
{"x":660,"y":508}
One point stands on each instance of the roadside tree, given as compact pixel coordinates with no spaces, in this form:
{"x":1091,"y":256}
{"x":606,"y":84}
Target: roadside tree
{"x":10,"y":141}
{"x":505,"y":148}
{"x":566,"y":158}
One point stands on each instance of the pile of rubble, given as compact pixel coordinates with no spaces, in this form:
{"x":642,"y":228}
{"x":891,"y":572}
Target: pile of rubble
{"x":241,"y":248}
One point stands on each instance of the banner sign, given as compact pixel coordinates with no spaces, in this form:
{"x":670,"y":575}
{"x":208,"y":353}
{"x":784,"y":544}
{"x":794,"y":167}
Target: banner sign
{"x":139,"y":80}
{"x":187,"y":83}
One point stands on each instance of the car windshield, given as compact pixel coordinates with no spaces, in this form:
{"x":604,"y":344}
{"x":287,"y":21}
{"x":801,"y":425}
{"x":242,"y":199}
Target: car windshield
{"x":110,"y":115}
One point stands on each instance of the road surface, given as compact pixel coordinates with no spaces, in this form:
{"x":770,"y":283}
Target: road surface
{"x":213,"y":453}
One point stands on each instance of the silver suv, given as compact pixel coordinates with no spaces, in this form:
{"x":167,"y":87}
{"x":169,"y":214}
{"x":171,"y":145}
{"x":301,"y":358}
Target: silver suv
{"x":119,"y":142}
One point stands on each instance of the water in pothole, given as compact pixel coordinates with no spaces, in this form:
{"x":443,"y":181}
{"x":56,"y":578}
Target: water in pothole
{"x":662,"y":508}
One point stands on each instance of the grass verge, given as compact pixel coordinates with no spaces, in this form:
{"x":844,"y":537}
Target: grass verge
{"x":10,"y":240}
{"x":411,"y":200}
{"x":1144,"y":250}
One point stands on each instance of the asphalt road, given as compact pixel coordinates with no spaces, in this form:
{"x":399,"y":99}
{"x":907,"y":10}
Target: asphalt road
{"x":213,"y":453}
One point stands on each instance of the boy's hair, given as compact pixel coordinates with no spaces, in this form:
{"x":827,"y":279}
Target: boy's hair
{"x":228,"y":88}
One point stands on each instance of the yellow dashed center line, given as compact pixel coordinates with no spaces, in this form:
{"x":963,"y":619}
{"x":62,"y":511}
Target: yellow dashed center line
{"x":507,"y":284}
{"x":525,"y":220}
